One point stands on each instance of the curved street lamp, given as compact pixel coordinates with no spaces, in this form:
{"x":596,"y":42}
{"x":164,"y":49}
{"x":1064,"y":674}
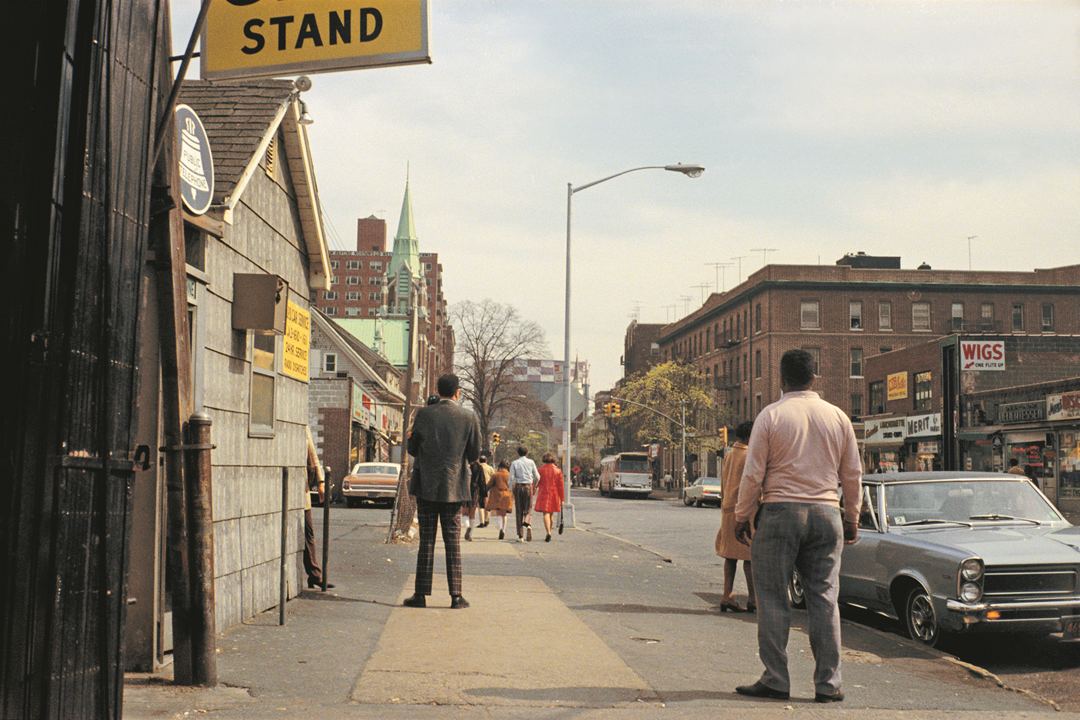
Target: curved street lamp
{"x":692,"y":171}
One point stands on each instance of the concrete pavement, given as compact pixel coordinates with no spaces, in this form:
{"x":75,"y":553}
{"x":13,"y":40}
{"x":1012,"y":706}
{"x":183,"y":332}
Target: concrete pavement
{"x":584,"y":627}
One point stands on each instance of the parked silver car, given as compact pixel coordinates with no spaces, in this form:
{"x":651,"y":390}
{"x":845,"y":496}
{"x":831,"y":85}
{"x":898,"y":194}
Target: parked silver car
{"x":372,"y":482}
{"x":962,"y":552}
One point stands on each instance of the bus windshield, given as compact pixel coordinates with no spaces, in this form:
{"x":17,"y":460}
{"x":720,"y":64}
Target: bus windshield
{"x":632,"y":465}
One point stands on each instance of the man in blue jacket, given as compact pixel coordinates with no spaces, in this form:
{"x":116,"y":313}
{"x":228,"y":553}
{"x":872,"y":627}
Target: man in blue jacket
{"x":445,"y":439}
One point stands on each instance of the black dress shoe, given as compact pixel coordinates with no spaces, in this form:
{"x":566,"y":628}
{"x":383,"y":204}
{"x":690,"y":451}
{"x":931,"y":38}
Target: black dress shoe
{"x":318,"y":584}
{"x":458,"y":603}
{"x":415,"y":600}
{"x":837,"y":696}
{"x":760,"y":690}
{"x":502,"y":534}
{"x":468,"y":534}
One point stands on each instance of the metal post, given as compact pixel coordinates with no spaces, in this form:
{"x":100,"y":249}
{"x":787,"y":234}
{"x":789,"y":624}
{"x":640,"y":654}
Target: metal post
{"x":283,"y":580}
{"x":682,"y":469}
{"x":568,"y":506}
{"x":326,"y":528}
{"x":201,"y":553}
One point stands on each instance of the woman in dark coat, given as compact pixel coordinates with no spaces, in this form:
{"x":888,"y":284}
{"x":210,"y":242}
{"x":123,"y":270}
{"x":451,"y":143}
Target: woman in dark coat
{"x":500,"y":500}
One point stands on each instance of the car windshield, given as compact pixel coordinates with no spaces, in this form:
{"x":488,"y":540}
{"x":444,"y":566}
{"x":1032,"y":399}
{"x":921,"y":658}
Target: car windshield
{"x":365,"y":469}
{"x":963,"y":501}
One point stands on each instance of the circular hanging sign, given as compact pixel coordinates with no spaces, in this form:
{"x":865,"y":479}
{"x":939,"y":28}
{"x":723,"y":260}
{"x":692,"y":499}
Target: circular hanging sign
{"x":196,"y":163}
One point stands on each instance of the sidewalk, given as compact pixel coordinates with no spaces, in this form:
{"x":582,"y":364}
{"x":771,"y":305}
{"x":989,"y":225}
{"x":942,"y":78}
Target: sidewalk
{"x":585,"y":626}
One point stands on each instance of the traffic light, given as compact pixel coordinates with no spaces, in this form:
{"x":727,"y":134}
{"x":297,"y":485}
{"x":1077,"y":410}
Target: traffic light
{"x":615,"y":410}
{"x":723,"y":436}
{"x":607,"y":410}
{"x":495,"y":439}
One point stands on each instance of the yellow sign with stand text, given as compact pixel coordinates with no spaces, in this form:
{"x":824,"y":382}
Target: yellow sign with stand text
{"x":272,"y":38}
{"x":297,"y":342}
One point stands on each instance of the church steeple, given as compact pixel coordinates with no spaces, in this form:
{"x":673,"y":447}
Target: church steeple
{"x":406,"y":244}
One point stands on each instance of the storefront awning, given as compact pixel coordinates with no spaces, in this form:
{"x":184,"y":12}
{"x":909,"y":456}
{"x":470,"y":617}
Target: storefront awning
{"x":977,"y":433}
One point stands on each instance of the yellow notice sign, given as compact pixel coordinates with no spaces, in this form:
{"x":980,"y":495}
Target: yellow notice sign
{"x":897,"y":386}
{"x":267,"y":38}
{"x":297,"y":342}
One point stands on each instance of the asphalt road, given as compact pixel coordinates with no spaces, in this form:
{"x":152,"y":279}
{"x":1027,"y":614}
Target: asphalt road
{"x":1046,"y":666}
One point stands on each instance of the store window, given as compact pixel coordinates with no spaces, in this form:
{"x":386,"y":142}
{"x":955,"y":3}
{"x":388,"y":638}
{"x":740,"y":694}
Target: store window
{"x":923,"y":391}
{"x":920,"y":316}
{"x":263,"y":383}
{"x":884,"y":315}
{"x":1069,"y":464}
{"x":809,"y":317}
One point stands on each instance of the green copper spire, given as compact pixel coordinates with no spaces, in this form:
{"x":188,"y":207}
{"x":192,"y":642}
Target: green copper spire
{"x":406,"y":244}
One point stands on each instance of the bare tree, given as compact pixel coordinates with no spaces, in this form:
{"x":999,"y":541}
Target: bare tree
{"x":491,"y":338}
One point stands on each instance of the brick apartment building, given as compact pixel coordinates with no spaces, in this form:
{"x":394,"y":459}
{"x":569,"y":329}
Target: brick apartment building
{"x":640,"y":348}
{"x":362,"y":281}
{"x":860,"y":307}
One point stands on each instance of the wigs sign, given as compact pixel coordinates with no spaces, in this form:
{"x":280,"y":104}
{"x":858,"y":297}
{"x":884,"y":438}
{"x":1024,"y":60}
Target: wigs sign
{"x":982,"y":355}
{"x":267,"y":38}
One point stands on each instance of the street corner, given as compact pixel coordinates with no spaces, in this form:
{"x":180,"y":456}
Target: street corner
{"x":152,"y":697}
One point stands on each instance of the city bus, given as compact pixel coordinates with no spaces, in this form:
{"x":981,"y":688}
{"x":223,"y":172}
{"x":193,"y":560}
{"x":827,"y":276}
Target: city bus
{"x":627,"y":473}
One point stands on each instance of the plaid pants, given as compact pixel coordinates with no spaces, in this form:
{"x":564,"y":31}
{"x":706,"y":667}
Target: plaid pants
{"x":430,"y":515}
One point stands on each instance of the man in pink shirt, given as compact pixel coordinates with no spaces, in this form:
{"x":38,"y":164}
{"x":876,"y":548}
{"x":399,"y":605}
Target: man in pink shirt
{"x":801,"y":453}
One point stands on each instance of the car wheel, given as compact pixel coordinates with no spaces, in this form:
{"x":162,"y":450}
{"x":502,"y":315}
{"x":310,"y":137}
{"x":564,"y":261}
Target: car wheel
{"x":795,"y":593}
{"x":687,"y":500}
{"x":921,"y":619}
{"x":352,"y":502}
{"x":698,"y":502}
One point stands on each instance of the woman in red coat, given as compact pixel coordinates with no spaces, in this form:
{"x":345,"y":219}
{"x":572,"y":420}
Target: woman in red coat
{"x":549,"y":491}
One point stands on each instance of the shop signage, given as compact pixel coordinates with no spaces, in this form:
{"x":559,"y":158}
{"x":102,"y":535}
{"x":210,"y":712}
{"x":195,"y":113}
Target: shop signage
{"x":270,"y":38}
{"x":196,"y":162}
{"x":1010,"y":413}
{"x":924,"y":425}
{"x":982,"y":354}
{"x":890,"y":431}
{"x":296,"y":342}
{"x":929,"y":448}
{"x":1063,"y":406}
{"x":363,"y":407}
{"x":897,"y":383}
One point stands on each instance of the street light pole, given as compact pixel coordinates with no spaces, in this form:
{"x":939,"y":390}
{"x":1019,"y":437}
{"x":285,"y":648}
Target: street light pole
{"x":688,"y":170}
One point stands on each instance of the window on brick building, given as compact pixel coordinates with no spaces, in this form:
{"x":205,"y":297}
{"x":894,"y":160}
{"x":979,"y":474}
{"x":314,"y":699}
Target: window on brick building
{"x":746,"y":323}
{"x":353,"y":280}
{"x":329,"y":362}
{"x":333,"y":264}
{"x":329,"y":295}
{"x":330,"y":310}
{"x":855,"y":314}
{"x":815,"y":356}
{"x":809,"y":317}
{"x":757,"y":364}
{"x":352,"y":296}
{"x":884,"y":315}
{"x":757,"y":318}
{"x":375,"y":265}
{"x":1047,"y":318}
{"x":371,"y":312}
{"x":1018,"y":318}
{"x":877,"y":397}
{"x":986,"y":317}
{"x":757,"y":405}
{"x":957,"y":317}
{"x":352,"y":264}
{"x":856,"y":363}
{"x":856,"y":406}
{"x":374,"y":280}
{"x":373,"y":296}
{"x":352,"y":312}
{"x":923,"y":391}
{"x":920,"y":316}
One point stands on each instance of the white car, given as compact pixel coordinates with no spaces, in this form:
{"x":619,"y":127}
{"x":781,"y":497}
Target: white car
{"x":371,"y":481}
{"x":704,"y":490}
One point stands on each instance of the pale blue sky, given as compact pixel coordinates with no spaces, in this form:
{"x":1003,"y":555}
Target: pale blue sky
{"x":892,"y":127}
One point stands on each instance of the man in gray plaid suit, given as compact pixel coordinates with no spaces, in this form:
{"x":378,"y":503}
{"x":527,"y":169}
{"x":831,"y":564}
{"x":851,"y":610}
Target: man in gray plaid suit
{"x":445,"y":439}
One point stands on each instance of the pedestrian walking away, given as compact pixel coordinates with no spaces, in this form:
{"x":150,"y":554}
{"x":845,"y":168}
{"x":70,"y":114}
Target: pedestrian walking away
{"x":727,"y":546}
{"x":549,"y":491}
{"x":523,"y":478}
{"x":801,"y":451}
{"x":445,"y":439}
{"x":500,"y":500}
{"x":477,"y":496}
